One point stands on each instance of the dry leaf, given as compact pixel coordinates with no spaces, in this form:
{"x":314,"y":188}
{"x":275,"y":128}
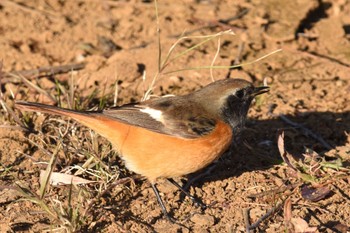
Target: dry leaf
{"x":284,"y":154}
{"x":301,"y":226}
{"x":314,"y":194}
{"x":57,"y":178}
{"x":341,"y":227}
{"x":287,"y":212}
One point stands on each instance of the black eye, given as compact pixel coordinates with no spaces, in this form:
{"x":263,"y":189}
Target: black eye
{"x":240,"y":93}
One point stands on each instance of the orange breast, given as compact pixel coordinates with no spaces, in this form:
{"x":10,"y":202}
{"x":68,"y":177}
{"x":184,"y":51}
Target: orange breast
{"x":156,"y":155}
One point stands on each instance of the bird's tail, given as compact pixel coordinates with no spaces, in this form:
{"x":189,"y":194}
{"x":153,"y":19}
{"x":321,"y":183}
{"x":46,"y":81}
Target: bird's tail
{"x":104,"y":125}
{"x":36,"y":107}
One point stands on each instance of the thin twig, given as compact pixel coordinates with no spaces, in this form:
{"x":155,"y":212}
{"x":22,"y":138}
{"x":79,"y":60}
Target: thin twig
{"x":42,"y":71}
{"x":319,"y":57}
{"x":265,"y":216}
{"x":306,"y":131}
{"x":246,"y":219}
{"x":213,"y":24}
{"x":275,"y":191}
{"x":27,"y":8}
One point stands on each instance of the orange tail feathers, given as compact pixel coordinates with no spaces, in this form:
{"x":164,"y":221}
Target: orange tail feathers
{"x":103,"y":125}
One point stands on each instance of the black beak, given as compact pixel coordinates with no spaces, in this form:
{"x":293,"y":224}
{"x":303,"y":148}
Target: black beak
{"x":260,"y":90}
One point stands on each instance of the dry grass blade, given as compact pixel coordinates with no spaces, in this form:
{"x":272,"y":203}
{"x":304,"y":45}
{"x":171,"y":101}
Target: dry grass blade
{"x":32,"y":197}
{"x":226,"y":67}
{"x":204,"y":39}
{"x":50,"y":167}
{"x":107,"y":189}
{"x":162,"y":65}
{"x":214,"y":59}
{"x":7,"y":108}
{"x":35,"y":87}
{"x":12,"y":114}
{"x":64,"y":219}
{"x":71,"y":99}
{"x":158,"y":36}
{"x":116,"y":91}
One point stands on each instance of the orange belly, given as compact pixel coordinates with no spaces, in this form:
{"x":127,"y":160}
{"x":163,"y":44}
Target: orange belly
{"x":157,"y":155}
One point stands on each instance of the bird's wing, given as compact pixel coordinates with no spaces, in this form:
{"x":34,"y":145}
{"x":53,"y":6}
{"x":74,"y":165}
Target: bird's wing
{"x":168,"y":115}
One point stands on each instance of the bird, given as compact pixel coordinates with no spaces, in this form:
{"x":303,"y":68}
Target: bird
{"x":170,"y":136}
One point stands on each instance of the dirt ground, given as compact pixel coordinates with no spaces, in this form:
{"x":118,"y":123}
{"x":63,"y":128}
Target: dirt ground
{"x":116,"y":41}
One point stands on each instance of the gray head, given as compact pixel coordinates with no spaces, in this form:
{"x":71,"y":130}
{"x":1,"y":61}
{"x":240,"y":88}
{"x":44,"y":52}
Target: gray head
{"x":230,"y":98}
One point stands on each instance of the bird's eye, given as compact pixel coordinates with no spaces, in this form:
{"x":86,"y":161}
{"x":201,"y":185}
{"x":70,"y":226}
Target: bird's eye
{"x":240,"y":93}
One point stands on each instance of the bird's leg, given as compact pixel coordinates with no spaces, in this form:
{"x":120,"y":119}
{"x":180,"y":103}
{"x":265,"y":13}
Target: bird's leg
{"x":161,"y":203}
{"x":197,"y":176}
{"x":195,"y":200}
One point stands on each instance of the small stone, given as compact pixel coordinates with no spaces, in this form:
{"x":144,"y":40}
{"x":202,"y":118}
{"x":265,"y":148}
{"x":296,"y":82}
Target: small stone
{"x":203,"y":220}
{"x":339,"y":83}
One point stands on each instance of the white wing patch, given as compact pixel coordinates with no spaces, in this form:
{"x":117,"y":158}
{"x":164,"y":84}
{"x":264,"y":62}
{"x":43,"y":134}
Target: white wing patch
{"x":155,"y":114}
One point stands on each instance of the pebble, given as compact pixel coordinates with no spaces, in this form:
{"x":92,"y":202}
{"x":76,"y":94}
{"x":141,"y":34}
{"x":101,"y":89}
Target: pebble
{"x":203,"y":220}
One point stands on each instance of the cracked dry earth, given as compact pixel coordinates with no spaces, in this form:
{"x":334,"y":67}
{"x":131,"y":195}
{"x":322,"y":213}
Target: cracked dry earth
{"x":117,"y":42}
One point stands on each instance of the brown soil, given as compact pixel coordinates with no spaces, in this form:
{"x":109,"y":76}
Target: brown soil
{"x":309,"y":80}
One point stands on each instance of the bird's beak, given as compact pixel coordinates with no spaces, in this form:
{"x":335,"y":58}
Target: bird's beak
{"x":260,"y":90}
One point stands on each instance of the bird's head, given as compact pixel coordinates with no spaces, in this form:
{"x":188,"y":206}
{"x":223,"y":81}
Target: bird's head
{"x":229,"y":99}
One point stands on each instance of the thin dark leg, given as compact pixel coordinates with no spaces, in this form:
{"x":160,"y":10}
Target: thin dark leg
{"x":160,"y":201}
{"x":197,"y":202}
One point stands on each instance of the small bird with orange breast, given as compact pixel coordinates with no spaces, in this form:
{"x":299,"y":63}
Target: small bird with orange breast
{"x":170,"y":136}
